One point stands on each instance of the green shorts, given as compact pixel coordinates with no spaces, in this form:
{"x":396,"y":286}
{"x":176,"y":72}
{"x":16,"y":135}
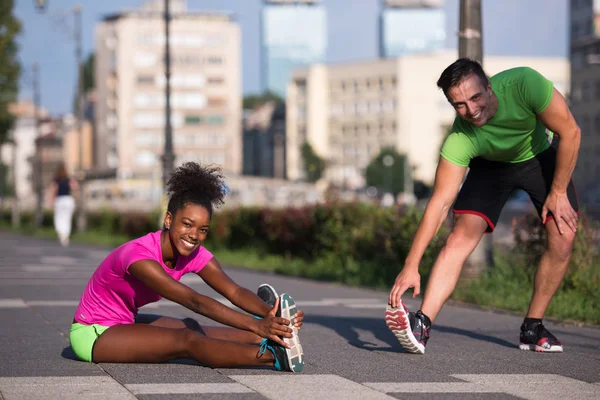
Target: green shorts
{"x":83,"y":338}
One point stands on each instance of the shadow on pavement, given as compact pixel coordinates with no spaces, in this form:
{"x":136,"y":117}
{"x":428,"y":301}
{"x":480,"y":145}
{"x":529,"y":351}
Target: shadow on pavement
{"x":68,"y":353}
{"x":349,"y":327}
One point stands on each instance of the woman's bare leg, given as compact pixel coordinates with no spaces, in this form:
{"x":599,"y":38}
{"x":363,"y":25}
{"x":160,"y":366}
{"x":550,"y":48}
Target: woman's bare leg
{"x":224,"y":333}
{"x":154,"y":344}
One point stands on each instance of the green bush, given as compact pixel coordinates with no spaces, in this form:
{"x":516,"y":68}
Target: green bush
{"x":353,"y":243}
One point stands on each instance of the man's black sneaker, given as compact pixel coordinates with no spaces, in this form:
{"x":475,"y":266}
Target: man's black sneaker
{"x":411,"y":329}
{"x":267,"y":294}
{"x":535,"y":337}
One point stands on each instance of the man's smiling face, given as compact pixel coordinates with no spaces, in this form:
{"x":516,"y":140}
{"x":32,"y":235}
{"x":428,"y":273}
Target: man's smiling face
{"x":473,"y":101}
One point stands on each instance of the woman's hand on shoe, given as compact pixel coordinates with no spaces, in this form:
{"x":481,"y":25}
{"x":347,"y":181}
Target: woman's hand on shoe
{"x":273,"y":327}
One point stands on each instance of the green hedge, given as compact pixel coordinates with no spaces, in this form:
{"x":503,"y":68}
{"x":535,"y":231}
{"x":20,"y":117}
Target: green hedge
{"x":347,"y":242}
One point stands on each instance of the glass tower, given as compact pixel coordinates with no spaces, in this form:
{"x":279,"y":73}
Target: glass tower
{"x":294,"y":35}
{"x":410,"y":27}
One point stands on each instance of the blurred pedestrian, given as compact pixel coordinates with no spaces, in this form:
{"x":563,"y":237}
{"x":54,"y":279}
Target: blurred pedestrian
{"x":108,"y":328}
{"x":501,"y":134}
{"x":63,"y":203}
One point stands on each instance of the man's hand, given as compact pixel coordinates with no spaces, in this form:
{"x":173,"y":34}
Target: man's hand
{"x":564,"y":216}
{"x":407,"y":278}
{"x":299,"y":319}
{"x":273,"y":327}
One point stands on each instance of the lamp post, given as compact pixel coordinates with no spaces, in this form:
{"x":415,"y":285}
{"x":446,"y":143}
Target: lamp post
{"x":81,"y":216}
{"x":470,"y":42}
{"x":37,"y":159}
{"x":168,"y":156}
{"x":470,"y":45}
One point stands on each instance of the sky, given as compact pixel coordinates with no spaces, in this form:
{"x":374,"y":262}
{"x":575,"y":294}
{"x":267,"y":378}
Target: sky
{"x":510,"y":27}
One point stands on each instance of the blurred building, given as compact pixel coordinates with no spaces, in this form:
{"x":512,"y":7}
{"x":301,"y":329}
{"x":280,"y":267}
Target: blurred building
{"x":293,"y":35}
{"x":349,"y":112}
{"x":585,"y":96}
{"x":264,"y":141}
{"x":20,"y":149}
{"x":130,"y":92}
{"x":410,"y":27}
{"x":72,"y":137}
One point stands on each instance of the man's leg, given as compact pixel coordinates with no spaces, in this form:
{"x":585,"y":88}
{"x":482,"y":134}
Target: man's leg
{"x":552,"y":269}
{"x":466,"y":234}
{"x":553,"y":265}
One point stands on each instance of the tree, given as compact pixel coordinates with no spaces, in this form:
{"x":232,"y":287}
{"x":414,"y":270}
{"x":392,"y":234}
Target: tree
{"x":314,"y":165}
{"x":386,"y":171}
{"x":88,"y":79}
{"x":10,"y":69}
{"x":88,"y":73}
{"x":252,"y":101}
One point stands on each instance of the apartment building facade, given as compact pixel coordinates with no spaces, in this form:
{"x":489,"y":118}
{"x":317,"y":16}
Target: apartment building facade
{"x":130,"y":91}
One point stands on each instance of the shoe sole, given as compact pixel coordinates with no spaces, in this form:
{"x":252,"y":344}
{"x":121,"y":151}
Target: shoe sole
{"x":540,"y":349}
{"x":295,"y":354}
{"x":272,"y":292}
{"x":396,"y":320}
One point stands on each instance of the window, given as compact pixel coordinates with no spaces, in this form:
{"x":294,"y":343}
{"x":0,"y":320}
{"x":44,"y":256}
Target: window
{"x":216,"y":101}
{"x":206,"y":120}
{"x":145,"y":79}
{"x":192,"y":119}
{"x":214,"y":60}
{"x":146,"y":159}
{"x":215,"y":80}
{"x":189,"y":100}
{"x":145,"y":60}
{"x":148,"y":120}
{"x":148,"y":139}
{"x":214,"y":120}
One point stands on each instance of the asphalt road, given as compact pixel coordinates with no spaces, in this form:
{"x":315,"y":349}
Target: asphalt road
{"x":349,"y":352}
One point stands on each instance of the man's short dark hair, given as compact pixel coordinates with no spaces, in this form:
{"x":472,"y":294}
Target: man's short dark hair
{"x":458,"y":71}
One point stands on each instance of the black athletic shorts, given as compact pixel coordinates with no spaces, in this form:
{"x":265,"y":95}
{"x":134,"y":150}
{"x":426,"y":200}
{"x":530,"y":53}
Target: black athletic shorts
{"x":490,"y":183}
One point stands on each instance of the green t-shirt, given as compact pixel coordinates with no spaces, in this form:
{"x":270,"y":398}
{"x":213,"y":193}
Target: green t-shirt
{"x":514,"y":134}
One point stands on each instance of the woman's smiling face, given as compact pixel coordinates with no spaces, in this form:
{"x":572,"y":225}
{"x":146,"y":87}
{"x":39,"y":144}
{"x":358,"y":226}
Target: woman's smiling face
{"x":188,"y":228}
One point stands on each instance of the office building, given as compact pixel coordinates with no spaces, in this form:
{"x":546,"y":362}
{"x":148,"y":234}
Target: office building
{"x":293,"y":35}
{"x":19,"y":151}
{"x":411,"y":27}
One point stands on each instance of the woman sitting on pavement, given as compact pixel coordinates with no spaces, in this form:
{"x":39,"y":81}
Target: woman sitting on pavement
{"x":107,"y":327}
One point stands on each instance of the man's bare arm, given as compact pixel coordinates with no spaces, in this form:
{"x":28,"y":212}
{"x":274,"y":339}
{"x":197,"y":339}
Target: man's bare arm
{"x":558,"y":118}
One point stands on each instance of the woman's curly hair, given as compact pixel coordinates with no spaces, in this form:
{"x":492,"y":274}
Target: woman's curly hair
{"x":197,"y":184}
